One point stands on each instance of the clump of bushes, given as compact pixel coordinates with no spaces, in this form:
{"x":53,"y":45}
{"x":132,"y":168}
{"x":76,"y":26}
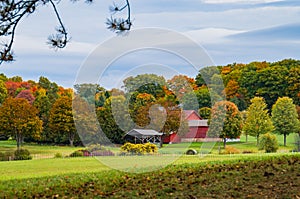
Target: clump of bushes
{"x":58,"y":155}
{"x":77,"y":153}
{"x":139,"y":149}
{"x":22,"y":154}
{"x":7,"y":156}
{"x":231,"y":150}
{"x":97,"y":150}
{"x":248,"y":151}
{"x":269,"y":143}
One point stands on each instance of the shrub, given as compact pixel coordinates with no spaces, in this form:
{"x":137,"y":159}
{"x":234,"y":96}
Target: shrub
{"x":247,"y":151}
{"x":78,"y":153}
{"x":58,"y":155}
{"x":191,"y":152}
{"x":8,"y":156}
{"x":139,"y":149}
{"x":22,"y":154}
{"x":231,"y":150}
{"x":95,"y":147}
{"x":150,"y":148}
{"x":1,"y":156}
{"x":268,"y":142}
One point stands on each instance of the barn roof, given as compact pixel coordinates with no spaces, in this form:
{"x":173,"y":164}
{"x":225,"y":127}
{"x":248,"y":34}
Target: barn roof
{"x":187,"y":113}
{"x":143,"y":133}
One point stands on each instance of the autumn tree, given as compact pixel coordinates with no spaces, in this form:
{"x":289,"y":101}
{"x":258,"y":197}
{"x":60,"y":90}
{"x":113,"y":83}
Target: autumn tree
{"x":19,"y":119}
{"x":181,"y":85}
{"x":26,"y":94}
{"x":257,"y":121}
{"x":86,"y":122}
{"x":61,"y":122}
{"x":226,"y":121}
{"x":13,"y":11}
{"x":285,"y":117}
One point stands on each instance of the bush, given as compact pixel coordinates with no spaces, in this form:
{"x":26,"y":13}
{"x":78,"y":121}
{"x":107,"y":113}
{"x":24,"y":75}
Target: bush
{"x":22,"y":154}
{"x":231,"y":150}
{"x":191,"y":152}
{"x":95,"y":147}
{"x":248,"y":151}
{"x":268,"y":142}
{"x":8,"y":156}
{"x":78,"y":153}
{"x":2,"y":158}
{"x":58,"y":155}
{"x":139,"y":149}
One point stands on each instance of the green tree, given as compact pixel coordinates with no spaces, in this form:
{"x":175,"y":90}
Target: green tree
{"x":226,"y":121}
{"x":19,"y":119}
{"x":146,"y":83}
{"x":285,"y":117}
{"x":293,"y":89}
{"x":61,"y":122}
{"x":272,"y":83}
{"x":3,"y":92}
{"x":205,"y":112}
{"x":257,"y":121}
{"x":203,"y":96}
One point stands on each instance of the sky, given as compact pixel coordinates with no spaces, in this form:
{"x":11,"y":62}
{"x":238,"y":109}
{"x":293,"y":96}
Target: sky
{"x":229,"y":31}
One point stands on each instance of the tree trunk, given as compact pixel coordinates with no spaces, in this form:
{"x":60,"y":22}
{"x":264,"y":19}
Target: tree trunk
{"x":257,"y":140}
{"x":18,"y":138}
{"x":224,"y":143}
{"x":246,"y":138}
{"x":71,"y":142}
{"x":18,"y":143}
{"x":284,"y":139}
{"x":160,"y":142}
{"x":71,"y":139}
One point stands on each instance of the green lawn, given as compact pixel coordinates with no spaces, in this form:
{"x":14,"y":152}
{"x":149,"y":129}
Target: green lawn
{"x":248,"y":176}
{"x":38,"y":151}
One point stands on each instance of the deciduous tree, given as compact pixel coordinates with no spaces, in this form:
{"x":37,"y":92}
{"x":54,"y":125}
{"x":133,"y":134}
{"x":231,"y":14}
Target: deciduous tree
{"x":285,"y":117}
{"x":19,"y":119}
{"x":61,"y":122}
{"x":226,"y":121}
{"x":257,"y":121}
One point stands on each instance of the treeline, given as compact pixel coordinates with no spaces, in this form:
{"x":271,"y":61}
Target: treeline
{"x":144,"y":101}
{"x":36,"y":111}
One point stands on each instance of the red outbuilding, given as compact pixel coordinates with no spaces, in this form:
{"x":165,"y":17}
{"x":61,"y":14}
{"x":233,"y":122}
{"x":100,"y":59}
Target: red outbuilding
{"x":198,"y":128}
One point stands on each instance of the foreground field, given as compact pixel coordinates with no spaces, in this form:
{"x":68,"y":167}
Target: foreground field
{"x":274,"y":176}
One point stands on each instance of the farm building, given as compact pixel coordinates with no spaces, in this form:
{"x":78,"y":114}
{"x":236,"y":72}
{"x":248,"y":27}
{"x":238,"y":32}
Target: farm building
{"x":144,"y":135}
{"x":198,"y":128}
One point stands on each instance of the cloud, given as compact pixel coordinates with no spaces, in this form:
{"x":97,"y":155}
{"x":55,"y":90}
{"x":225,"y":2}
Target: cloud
{"x":211,"y":35}
{"x":289,"y":32}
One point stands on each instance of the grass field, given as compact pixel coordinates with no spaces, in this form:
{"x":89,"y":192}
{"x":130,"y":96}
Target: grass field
{"x":267,"y":176}
{"x":171,"y":175}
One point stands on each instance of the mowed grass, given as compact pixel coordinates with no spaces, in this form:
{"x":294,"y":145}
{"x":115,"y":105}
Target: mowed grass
{"x":38,"y":151}
{"x":48,"y":167}
{"x":265,"y":176}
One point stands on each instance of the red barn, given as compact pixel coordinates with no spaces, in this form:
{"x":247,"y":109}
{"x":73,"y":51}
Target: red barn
{"x":197,"y":129}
